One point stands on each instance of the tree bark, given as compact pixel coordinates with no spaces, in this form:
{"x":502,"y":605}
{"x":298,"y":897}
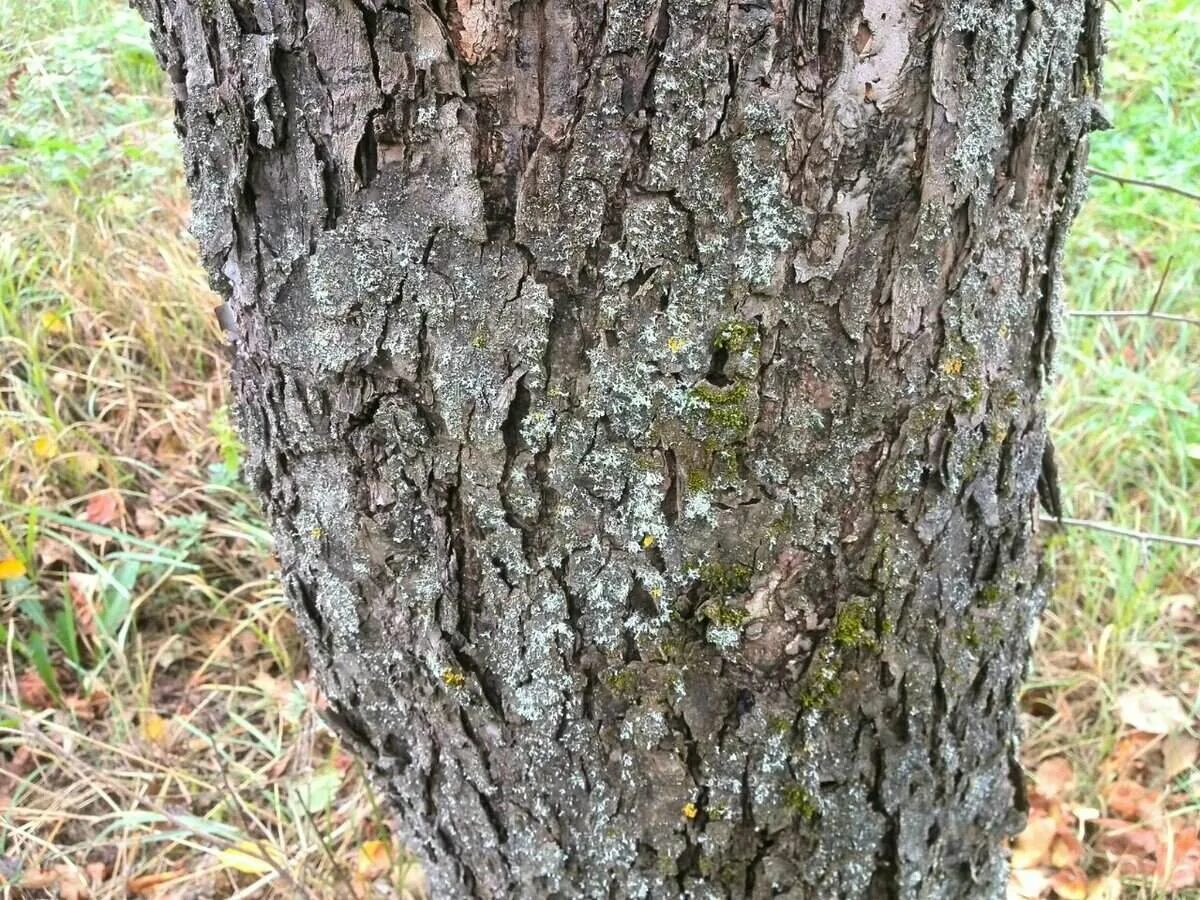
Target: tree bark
{"x":647,"y":399}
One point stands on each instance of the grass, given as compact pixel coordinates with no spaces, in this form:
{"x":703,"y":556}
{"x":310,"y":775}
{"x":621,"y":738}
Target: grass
{"x":154,"y":720}
{"x":156,"y":723}
{"x":1125,"y":415}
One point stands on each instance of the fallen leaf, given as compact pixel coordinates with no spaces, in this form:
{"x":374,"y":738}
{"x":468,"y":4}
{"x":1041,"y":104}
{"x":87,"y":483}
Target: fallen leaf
{"x":51,"y":552}
{"x":11,"y":567}
{"x":251,"y":858}
{"x":144,"y":884}
{"x":1179,"y":861}
{"x":1128,"y":755}
{"x":146,"y":521}
{"x":1107,"y":887}
{"x":1066,"y":850}
{"x":1179,"y":754}
{"x":32,"y":690}
{"x":1054,"y":778}
{"x":1028,"y":883}
{"x":103,"y":508}
{"x":1070,"y":884}
{"x":1180,"y":607}
{"x":1032,"y":845}
{"x":1152,"y":711}
{"x":1132,"y":802}
{"x":374,"y":858}
{"x":81,"y":587}
{"x":1132,"y":849}
{"x":154,"y":729}
{"x":37,"y":879}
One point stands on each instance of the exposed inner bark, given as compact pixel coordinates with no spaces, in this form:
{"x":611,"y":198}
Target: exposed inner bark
{"x":646,"y":395}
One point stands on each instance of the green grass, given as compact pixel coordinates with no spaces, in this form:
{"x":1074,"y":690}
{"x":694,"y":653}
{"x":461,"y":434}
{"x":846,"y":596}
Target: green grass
{"x":147,"y":708}
{"x":1125,"y":416}
{"x":147,"y":663}
{"x":1126,"y":406}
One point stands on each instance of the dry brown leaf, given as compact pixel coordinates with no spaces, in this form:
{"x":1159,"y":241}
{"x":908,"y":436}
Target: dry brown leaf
{"x":81,"y":586}
{"x":1132,"y":849}
{"x":1070,"y":884}
{"x":50,"y":552}
{"x":1032,"y":845}
{"x":1132,"y":802}
{"x":1179,"y":861}
{"x":1066,"y":850}
{"x":37,"y":879}
{"x":104,"y":508}
{"x":1179,"y":754}
{"x":1181,"y":607}
{"x":1151,"y":710}
{"x":22,"y":763}
{"x":32,"y":691}
{"x":1127,"y":755}
{"x":1054,"y":778}
{"x":146,"y":521}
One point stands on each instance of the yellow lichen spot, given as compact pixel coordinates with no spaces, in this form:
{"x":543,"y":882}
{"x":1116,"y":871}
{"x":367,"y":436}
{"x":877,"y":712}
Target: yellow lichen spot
{"x":690,"y":811}
{"x":675,"y":343}
{"x":317,"y":533}
{"x":648,"y":541}
{"x":479,"y":339}
{"x":953,"y":365}
{"x":656,"y":593}
{"x":453,"y":678}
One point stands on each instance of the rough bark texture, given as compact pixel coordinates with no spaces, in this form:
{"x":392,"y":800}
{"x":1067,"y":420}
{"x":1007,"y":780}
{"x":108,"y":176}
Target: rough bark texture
{"x":646,"y":395}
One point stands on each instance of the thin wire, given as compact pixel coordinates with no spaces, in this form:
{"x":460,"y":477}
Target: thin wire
{"x":1142,"y":182}
{"x":1150,"y":536}
{"x":1132,"y":313}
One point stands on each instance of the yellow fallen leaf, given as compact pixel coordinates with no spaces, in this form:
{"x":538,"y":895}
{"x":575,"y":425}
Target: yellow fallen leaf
{"x":1033,"y":844}
{"x":251,"y":857}
{"x":374,"y":858}
{"x":154,"y":729}
{"x":10,"y":568}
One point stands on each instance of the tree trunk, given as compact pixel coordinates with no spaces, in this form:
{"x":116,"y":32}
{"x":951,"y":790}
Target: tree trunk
{"x":647,"y":399}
